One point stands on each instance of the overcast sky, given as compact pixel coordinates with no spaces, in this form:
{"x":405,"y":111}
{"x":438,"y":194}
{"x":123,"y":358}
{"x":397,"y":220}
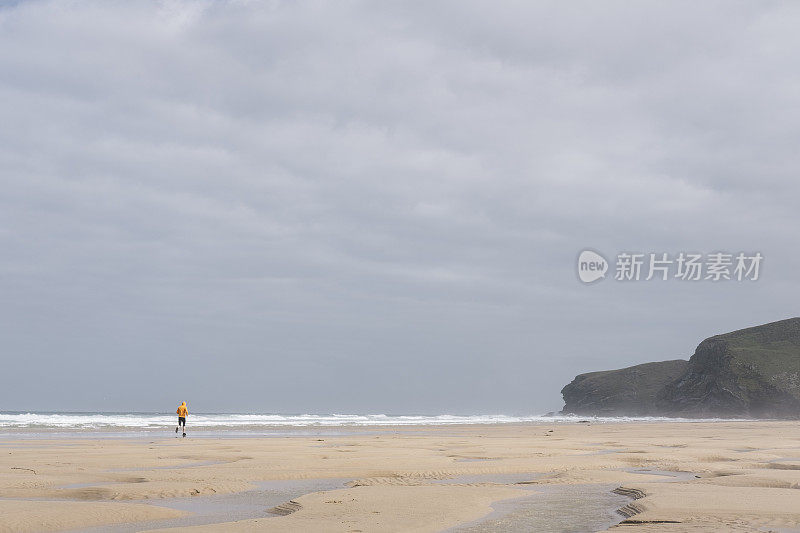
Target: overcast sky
{"x":377,"y":207}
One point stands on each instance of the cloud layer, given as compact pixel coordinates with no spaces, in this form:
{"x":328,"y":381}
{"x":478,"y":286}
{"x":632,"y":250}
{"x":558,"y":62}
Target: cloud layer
{"x":328,"y":207}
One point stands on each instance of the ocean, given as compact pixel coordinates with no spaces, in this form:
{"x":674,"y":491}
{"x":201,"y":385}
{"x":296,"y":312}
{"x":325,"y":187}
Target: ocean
{"x":242,"y":423}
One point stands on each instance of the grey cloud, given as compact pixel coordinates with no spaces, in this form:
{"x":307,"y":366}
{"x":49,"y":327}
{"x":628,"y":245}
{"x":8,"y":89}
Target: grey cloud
{"x":377,"y":207}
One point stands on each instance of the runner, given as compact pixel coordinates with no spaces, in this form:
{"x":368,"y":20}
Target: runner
{"x":183,"y":412}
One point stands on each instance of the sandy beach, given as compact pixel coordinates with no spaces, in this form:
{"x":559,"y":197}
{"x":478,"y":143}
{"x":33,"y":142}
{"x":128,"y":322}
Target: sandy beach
{"x":732,"y":476}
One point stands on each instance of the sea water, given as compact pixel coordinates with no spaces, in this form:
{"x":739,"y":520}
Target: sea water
{"x":21,"y":424}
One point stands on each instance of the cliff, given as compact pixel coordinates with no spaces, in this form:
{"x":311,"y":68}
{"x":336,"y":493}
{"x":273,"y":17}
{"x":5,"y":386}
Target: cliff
{"x":749,"y":373}
{"x":631,"y":391}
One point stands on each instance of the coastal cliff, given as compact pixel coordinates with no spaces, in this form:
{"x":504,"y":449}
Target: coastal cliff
{"x":749,"y":373}
{"x":631,"y":391}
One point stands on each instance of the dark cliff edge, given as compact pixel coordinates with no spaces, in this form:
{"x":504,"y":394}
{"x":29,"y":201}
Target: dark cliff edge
{"x":749,"y":373}
{"x":631,"y":391}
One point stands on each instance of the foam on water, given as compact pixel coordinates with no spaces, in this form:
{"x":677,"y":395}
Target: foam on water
{"x":123,"y":421}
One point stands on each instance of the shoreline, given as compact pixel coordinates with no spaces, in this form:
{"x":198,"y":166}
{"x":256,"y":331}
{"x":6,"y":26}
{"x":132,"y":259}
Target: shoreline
{"x":23,"y":422}
{"x":310,"y":430}
{"x":423,"y":478}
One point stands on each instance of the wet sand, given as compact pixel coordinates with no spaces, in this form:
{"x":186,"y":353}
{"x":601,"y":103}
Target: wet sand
{"x":723,"y":476}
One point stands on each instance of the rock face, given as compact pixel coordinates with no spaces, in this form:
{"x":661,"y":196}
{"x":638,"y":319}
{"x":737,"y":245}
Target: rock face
{"x":631,"y":391}
{"x":750,"y":373}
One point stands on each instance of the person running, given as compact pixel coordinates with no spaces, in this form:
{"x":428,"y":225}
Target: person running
{"x":183,"y":412}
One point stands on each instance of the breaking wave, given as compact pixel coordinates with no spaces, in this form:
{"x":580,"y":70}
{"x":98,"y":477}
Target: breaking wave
{"x":19,"y":420}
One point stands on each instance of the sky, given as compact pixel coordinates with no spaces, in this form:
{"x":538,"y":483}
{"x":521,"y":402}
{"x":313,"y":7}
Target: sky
{"x":377,"y":207}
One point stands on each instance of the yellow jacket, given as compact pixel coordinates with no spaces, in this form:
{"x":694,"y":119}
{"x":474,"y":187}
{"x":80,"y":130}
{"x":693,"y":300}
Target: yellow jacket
{"x":182,"y":410}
